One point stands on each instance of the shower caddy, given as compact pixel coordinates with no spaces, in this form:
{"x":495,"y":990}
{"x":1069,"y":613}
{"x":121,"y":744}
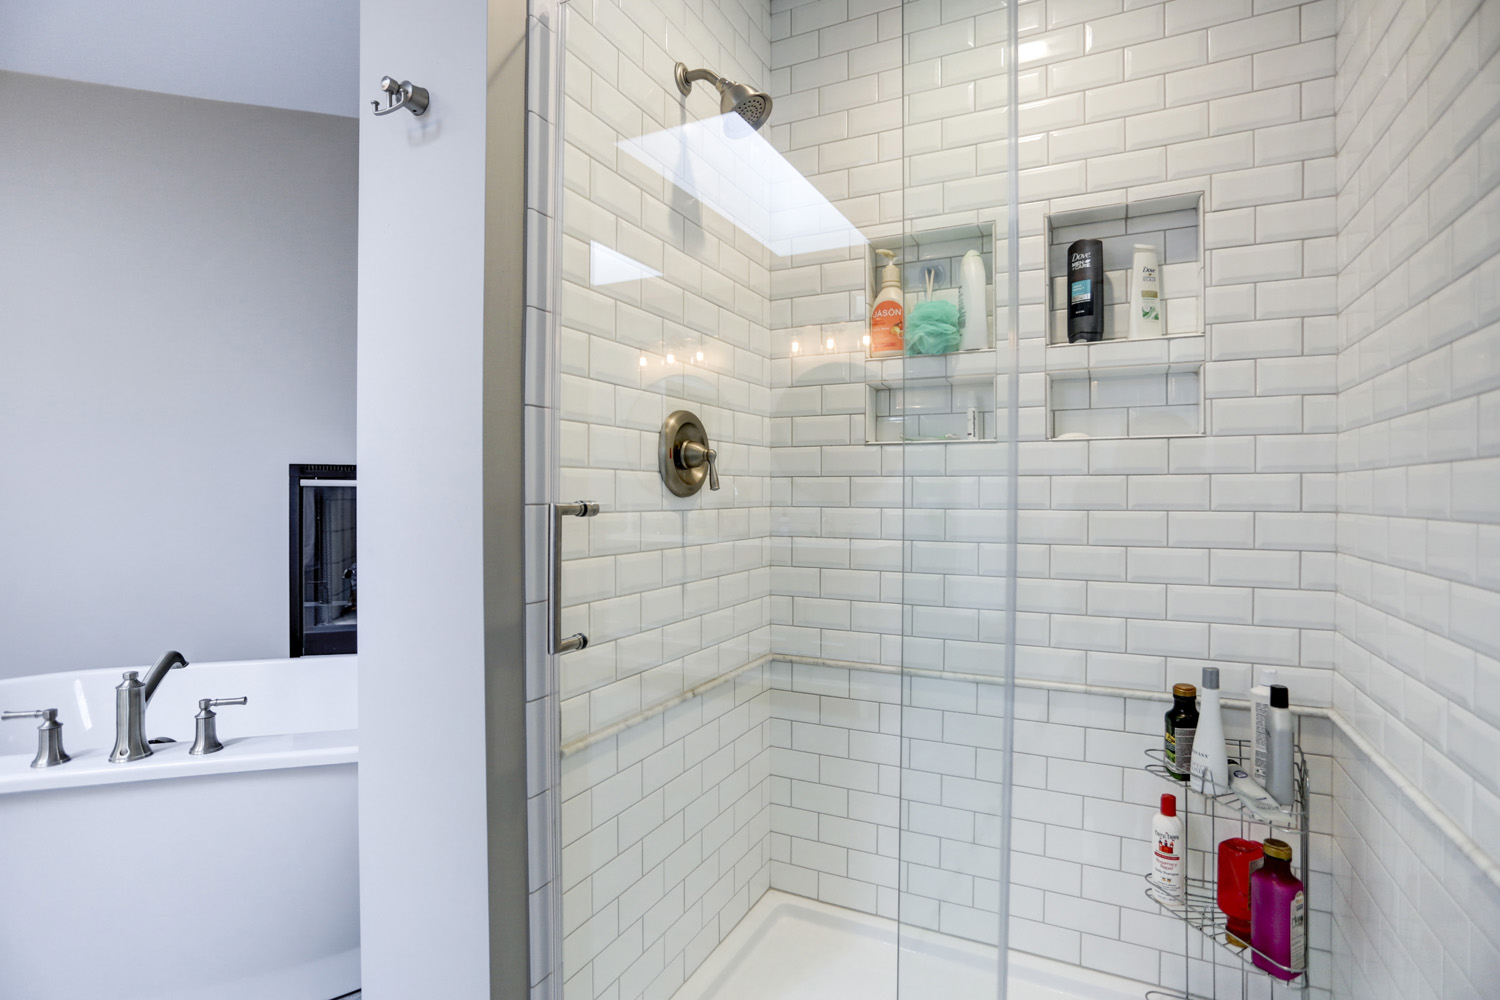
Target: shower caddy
{"x":1200,"y":913}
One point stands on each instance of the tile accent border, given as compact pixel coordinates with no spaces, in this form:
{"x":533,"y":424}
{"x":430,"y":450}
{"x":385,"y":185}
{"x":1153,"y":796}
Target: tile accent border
{"x":1467,"y":845}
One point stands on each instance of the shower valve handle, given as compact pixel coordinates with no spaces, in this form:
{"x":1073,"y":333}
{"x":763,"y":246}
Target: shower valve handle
{"x":695,"y":454}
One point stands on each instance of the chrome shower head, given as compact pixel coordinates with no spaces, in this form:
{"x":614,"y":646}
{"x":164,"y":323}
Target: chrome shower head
{"x":752,"y":105}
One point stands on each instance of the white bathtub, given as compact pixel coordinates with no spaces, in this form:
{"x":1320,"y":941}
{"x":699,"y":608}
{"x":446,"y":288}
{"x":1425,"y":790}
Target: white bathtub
{"x":231,"y":876}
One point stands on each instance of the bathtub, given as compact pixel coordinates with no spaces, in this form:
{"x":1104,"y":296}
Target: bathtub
{"x":231,"y":876}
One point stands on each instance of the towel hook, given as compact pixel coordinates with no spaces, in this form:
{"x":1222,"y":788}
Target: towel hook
{"x":401,"y":95}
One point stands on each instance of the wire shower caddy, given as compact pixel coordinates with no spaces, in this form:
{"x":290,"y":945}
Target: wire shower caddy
{"x":1225,"y":816}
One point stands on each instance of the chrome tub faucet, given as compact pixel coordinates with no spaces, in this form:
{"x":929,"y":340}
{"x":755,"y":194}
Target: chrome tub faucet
{"x":131,"y":698}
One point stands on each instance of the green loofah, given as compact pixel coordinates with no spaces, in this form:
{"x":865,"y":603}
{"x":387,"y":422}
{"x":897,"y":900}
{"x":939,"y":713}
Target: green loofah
{"x":932,"y":328}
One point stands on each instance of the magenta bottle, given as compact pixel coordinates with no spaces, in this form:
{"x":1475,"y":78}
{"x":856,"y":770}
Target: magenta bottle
{"x":1278,"y":914}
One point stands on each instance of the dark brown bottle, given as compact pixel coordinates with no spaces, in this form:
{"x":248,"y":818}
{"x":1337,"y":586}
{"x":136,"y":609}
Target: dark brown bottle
{"x":1182,"y":725}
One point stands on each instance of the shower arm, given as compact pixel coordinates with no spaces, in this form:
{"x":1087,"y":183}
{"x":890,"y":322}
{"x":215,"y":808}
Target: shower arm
{"x":687,"y":77}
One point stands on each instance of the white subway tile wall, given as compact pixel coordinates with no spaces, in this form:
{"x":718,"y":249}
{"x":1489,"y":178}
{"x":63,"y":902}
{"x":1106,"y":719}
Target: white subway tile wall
{"x":666,"y":830}
{"x":1098,"y":84}
{"x":1141,"y":560}
{"x":1418,"y":599}
{"x":663,"y":306}
{"x":885,"y":795}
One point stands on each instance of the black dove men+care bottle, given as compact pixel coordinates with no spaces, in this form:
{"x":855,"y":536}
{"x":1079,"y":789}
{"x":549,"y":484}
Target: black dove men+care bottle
{"x":1085,"y":291}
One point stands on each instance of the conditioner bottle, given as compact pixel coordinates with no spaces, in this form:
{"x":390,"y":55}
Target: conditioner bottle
{"x":1145,"y":293}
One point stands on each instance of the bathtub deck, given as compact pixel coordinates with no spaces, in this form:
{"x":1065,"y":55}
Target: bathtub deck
{"x":91,"y":766}
{"x":791,"y":948}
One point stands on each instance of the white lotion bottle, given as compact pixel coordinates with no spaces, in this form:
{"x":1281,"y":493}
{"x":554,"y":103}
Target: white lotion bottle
{"x":1145,"y":293}
{"x":1210,"y":767}
{"x":1166,"y":853}
{"x":1280,"y":766}
{"x":1260,"y":705}
{"x":971,"y":302}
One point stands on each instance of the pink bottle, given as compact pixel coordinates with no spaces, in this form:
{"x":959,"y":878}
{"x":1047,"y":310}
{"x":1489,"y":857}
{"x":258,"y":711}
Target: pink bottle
{"x":1278,"y":914}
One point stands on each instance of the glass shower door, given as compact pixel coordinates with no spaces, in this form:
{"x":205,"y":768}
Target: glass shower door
{"x":780,"y":716}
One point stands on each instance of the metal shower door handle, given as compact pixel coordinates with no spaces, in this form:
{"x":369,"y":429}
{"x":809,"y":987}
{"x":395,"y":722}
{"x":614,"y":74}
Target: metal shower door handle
{"x":577,"y":640}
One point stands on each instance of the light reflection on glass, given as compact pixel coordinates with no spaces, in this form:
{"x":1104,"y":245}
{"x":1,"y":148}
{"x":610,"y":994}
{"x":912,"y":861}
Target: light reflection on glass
{"x":745,"y":180}
{"x":610,"y":267}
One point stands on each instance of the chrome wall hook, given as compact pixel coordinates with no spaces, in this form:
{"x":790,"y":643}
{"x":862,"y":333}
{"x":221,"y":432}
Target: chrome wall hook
{"x":404,"y":94}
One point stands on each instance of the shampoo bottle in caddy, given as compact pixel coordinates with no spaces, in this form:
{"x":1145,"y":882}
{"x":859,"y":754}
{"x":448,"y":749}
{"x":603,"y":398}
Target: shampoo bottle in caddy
{"x":1145,"y":289}
{"x":1210,"y":757}
{"x":1085,"y":291}
{"x":1278,"y":914}
{"x":1166,"y":853}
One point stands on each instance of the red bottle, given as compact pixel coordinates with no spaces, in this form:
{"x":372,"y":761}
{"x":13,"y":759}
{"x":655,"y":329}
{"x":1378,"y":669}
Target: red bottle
{"x":1237,"y":859}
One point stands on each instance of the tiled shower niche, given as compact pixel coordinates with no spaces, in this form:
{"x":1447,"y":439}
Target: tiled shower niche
{"x":1172,"y":225}
{"x":932,"y":409}
{"x":939,"y":251}
{"x":1125,"y":404}
{"x":1117,"y":387}
{"x":939,"y":397}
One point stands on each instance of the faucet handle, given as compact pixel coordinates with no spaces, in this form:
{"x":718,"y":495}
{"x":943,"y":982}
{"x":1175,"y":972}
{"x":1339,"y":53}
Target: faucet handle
{"x":206,"y":739}
{"x":49,"y":748}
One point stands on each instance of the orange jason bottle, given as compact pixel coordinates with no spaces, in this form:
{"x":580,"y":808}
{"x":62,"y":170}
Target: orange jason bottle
{"x":887,"y":316}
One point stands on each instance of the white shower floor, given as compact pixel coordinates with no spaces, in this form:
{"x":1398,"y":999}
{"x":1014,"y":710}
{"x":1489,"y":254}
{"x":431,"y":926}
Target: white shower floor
{"x":791,"y":948}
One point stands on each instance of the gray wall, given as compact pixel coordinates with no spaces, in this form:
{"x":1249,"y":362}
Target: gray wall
{"x":437,"y":918}
{"x":177,"y":324}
